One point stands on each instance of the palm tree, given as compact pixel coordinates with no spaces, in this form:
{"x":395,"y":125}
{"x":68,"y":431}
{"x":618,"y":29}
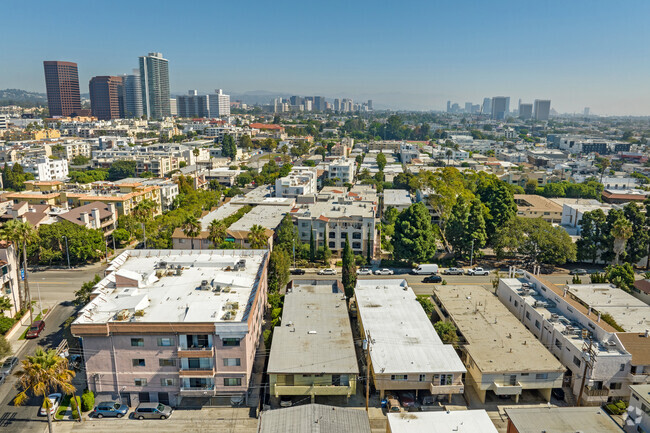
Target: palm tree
{"x":144,"y":210}
{"x":21,"y":233}
{"x":257,"y":238}
{"x":622,"y":231}
{"x":449,"y":152}
{"x":44,"y":373}
{"x":192,"y":228}
{"x":217,"y":232}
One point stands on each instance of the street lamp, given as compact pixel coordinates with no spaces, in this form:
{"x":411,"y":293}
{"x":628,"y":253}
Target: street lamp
{"x":67,"y":251}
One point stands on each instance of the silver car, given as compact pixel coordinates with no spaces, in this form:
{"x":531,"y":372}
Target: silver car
{"x":152,"y":411}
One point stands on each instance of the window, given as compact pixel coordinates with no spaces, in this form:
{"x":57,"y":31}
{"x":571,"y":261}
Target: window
{"x":332,"y":235}
{"x":576,"y":361}
{"x":232,"y":381}
{"x":528,"y":315}
{"x":356,"y":235}
{"x":356,"y":245}
{"x":137,"y":342}
{"x":165,"y":342}
{"x":166,"y":382}
{"x":332,"y":244}
{"x":230,"y":341}
{"x":622,"y":367}
{"x":167,"y":362}
{"x":342,"y":245}
{"x":615,"y":385}
{"x":558,"y":344}
{"x":537,"y":324}
{"x":232,"y":362}
{"x":138,"y":362}
{"x":423,"y":378}
{"x":541,"y":376}
{"x":516,"y":303}
{"x":398,"y":377}
{"x":140,"y":382}
{"x":524,"y":374}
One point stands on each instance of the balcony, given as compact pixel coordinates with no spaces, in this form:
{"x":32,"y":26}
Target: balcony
{"x":503,"y":389}
{"x":197,"y":391}
{"x":196,"y":352}
{"x":637,"y":378}
{"x":197,"y":372}
{"x":591,"y":392}
{"x":457,"y":388}
{"x":312,"y":390}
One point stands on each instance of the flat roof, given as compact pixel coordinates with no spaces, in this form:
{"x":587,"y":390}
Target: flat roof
{"x":403,"y":337}
{"x":315,"y":334}
{"x":397,"y":197}
{"x":268,"y":217}
{"x":536,"y":202}
{"x":218,"y":214}
{"x":643,"y":391}
{"x":314,"y":418}
{"x":147,"y":286}
{"x":631,"y":313}
{"x":497,"y":340}
{"x":461,"y":421}
{"x":562,"y":420}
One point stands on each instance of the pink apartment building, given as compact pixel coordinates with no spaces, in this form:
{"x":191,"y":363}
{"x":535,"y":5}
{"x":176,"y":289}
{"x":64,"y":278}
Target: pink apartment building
{"x":168,"y":324}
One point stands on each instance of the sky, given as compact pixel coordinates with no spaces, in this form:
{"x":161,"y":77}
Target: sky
{"x":411,"y":55}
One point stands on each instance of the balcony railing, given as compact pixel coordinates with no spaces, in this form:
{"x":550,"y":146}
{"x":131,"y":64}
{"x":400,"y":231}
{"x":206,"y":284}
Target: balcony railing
{"x":196,"y":352}
{"x":456,"y":388}
{"x":197,"y":371}
{"x":506,"y":389}
{"x":592,"y":392}
{"x":197,"y":390}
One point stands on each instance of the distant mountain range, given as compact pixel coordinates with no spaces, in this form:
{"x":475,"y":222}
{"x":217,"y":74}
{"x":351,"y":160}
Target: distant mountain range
{"x":22,"y":98}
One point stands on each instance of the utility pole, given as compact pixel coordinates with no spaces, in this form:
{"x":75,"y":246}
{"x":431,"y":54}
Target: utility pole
{"x":144,"y":236}
{"x":294,"y":252}
{"x":67,"y":251}
{"x":471,"y":257}
{"x":588,"y":356}
{"x":366,"y":346}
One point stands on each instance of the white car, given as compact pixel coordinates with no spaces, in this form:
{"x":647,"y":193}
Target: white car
{"x":478,"y":271}
{"x":55,"y":399}
{"x":327,"y":272}
{"x":384,"y":271}
{"x":364,"y":271}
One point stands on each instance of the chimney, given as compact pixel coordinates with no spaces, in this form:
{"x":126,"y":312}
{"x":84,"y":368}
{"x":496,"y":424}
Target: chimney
{"x":97,"y":223}
{"x":598,"y":317}
{"x":84,"y":218}
{"x":565,"y":292}
{"x":111,"y":209}
{"x":647,"y":333}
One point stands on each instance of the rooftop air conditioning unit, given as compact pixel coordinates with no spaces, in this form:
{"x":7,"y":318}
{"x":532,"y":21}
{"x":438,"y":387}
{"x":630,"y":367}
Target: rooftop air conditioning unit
{"x":205,"y":285}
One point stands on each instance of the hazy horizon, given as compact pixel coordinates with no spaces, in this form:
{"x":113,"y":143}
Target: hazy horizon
{"x":411,"y":56}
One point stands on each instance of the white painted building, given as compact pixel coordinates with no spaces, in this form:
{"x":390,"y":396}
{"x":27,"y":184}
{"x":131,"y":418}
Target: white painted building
{"x":45,"y":169}
{"x":341,"y":169}
{"x":300,"y":181}
{"x":219,"y":104}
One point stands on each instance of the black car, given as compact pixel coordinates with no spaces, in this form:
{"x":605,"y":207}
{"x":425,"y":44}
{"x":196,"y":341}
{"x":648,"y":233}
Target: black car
{"x":432,"y":279}
{"x":558,"y":393}
{"x":297,"y":272}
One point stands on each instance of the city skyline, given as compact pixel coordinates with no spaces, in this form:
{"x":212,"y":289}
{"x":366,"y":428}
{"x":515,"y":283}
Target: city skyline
{"x":402,"y":57}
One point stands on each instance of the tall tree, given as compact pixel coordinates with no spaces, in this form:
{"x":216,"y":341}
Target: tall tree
{"x":145,"y":210}
{"x":414,"y":238}
{"x":381,"y":161}
{"x":621,"y":232}
{"x":42,"y":374}
{"x":287,"y":234}
{"x":349,"y":272}
{"x":592,"y":240}
{"x":229,"y":147}
{"x":279,"y":264}
{"x":499,"y":199}
{"x":21,"y":233}
{"x":216,"y":232}
{"x":637,"y":245}
{"x":312,"y":246}
{"x":257,"y":238}
{"x":121,"y":170}
{"x":192,"y":228}
{"x":466,"y":227}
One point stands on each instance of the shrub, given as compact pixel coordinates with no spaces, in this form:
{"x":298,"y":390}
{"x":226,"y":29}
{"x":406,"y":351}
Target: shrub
{"x":339,"y":263}
{"x":6,"y":323}
{"x":275,"y":313}
{"x":87,"y":401}
{"x":268,"y":337}
{"x":444,"y":282}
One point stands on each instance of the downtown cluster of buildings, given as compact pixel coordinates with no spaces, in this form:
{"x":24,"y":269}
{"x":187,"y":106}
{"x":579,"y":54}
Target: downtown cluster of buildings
{"x":319,"y":104}
{"x":498,"y":108}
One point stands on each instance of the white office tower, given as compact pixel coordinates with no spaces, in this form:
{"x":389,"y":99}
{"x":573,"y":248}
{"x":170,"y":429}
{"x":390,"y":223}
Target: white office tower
{"x":219,"y":104}
{"x":132,"y":99}
{"x":154,"y":80}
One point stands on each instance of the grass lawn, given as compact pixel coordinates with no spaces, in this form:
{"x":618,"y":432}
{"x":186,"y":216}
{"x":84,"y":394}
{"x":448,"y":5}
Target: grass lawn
{"x":63,"y":407}
{"x":39,"y":317}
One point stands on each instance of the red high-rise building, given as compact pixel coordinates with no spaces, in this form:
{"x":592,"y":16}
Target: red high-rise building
{"x":62,"y":83}
{"x":106,"y":97}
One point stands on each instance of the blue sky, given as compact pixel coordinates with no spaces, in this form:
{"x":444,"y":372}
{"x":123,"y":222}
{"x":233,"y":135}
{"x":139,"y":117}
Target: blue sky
{"x":402,"y":54}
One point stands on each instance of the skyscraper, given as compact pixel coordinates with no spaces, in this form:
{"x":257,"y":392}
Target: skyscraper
{"x":192,"y":105}
{"x":219,"y":104}
{"x":154,"y":80}
{"x":448,"y":106}
{"x":525,"y":111}
{"x":132,"y":95}
{"x":500,"y":107}
{"x":62,"y":84}
{"x":487,"y":106}
{"x":369,"y":104}
{"x":319,"y":103}
{"x":542,"y":109}
{"x":106,"y":97}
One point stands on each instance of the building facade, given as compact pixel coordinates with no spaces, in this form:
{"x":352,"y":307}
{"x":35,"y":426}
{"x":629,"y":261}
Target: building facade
{"x":132,"y":96}
{"x":154,"y":81}
{"x":219,"y":104}
{"x":62,"y":84}
{"x":106,"y":97}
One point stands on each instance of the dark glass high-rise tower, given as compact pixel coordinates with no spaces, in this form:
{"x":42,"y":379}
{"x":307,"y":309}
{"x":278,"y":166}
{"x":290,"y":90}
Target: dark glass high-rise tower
{"x":62,"y":84}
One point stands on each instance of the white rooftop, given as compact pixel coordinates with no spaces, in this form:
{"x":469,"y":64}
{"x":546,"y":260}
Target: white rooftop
{"x":268,"y":217}
{"x":397,"y":197}
{"x":177,"y":286}
{"x":219,"y":213}
{"x":403,"y":337}
{"x":461,"y":421}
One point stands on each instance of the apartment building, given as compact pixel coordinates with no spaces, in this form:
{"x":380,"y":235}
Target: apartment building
{"x":9,"y":284}
{"x":560,"y":420}
{"x":69,"y":149}
{"x":502,"y":357}
{"x":406,"y":352}
{"x":45,"y":169}
{"x":168,"y":189}
{"x":341,"y":170}
{"x":312,"y":353}
{"x":94,"y":216}
{"x":314,"y":418}
{"x":536,"y":206}
{"x":399,"y":199}
{"x":300,"y":181}
{"x":164,"y":325}
{"x":570,"y":322}
{"x":440,"y":422}
{"x":125,"y":196}
{"x":639,"y":409}
{"x":333,"y":218}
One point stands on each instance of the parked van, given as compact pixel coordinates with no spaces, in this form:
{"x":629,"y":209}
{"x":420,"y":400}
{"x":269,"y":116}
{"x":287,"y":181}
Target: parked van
{"x":152,"y":411}
{"x":425,"y":269}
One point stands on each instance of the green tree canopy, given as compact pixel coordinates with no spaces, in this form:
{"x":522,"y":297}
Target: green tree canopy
{"x":121,"y":170}
{"x":414,"y":238}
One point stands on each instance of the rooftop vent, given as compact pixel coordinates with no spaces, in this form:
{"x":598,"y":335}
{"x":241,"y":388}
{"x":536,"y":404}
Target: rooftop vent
{"x":204,"y":285}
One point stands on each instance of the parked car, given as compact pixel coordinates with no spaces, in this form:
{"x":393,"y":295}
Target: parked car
{"x":425,"y":269}
{"x":393,"y":405}
{"x":297,"y":272}
{"x":453,"y":271}
{"x":384,"y":271}
{"x":152,"y":411}
{"x":432,"y":279}
{"x":237,"y":400}
{"x":558,"y":393}
{"x":286,"y":402}
{"x":407,"y":399}
{"x":578,"y":271}
{"x":36,"y":329}
{"x":364,"y":271}
{"x":55,"y":399}
{"x":110,"y":408}
{"x":328,"y":271}
{"x":478,"y":271}
{"x":9,"y":365}
{"x":427,"y":401}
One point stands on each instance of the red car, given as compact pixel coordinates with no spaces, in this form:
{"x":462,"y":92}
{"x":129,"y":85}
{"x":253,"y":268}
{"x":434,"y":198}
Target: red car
{"x":36,"y":329}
